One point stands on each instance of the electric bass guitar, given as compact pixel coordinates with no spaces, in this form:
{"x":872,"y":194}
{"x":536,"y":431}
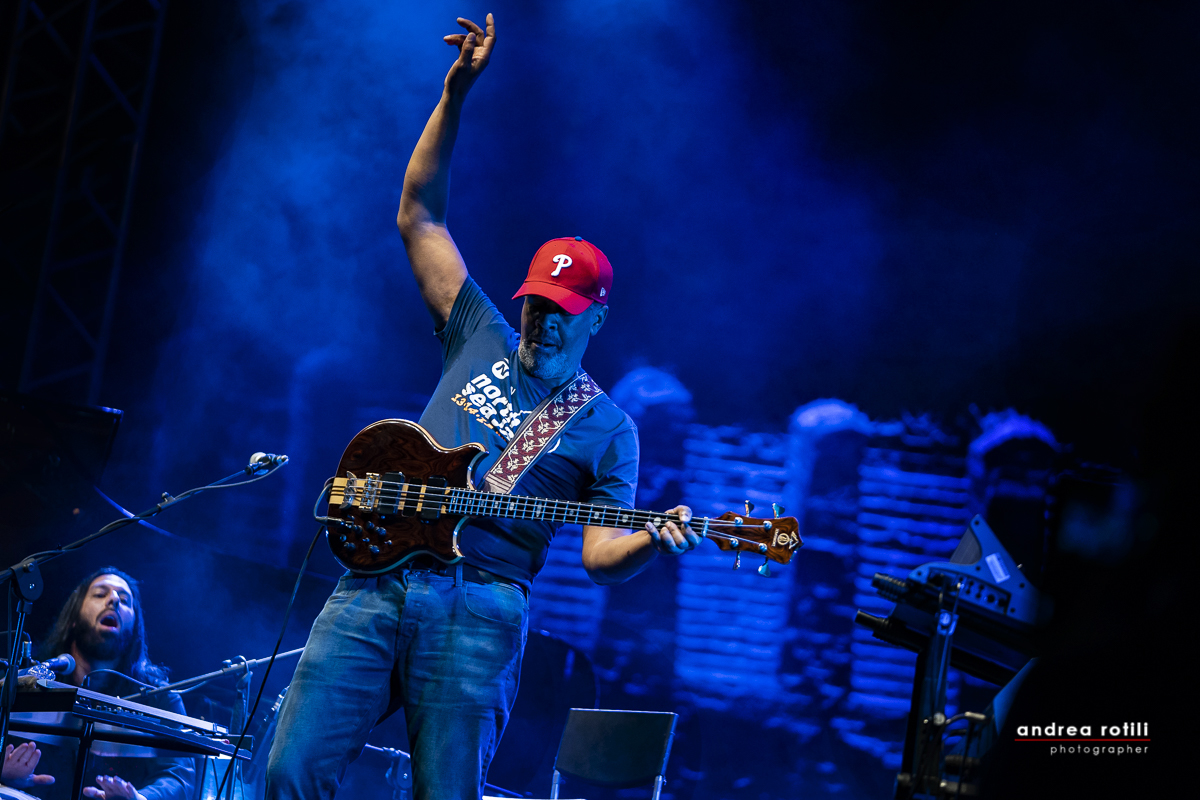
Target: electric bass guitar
{"x":399,"y":494}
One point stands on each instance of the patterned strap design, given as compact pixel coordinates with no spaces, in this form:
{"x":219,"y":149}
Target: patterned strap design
{"x":540,"y":431}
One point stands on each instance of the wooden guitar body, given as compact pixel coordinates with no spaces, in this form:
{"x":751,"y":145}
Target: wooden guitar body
{"x":387,"y":540}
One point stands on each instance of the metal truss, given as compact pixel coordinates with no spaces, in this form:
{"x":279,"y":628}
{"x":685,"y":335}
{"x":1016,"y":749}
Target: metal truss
{"x":76,"y":95}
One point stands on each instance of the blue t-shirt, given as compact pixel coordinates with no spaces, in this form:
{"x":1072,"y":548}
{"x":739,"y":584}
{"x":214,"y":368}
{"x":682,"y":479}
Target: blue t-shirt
{"x":483,"y":397}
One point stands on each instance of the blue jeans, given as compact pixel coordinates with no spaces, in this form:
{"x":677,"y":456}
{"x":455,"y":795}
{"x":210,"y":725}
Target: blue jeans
{"x":446,"y":651}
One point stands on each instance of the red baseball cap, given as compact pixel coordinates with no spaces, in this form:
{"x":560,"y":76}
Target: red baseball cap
{"x":571,"y":272}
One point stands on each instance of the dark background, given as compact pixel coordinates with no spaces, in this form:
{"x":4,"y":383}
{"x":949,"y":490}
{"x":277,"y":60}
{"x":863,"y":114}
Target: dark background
{"x":910,"y":205}
{"x":913,"y":206}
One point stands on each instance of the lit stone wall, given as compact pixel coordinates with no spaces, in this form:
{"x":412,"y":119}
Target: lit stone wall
{"x":731,"y":625}
{"x":869,"y":497}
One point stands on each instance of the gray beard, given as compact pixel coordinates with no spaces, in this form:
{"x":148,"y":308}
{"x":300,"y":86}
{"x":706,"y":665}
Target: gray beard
{"x":542,"y":365}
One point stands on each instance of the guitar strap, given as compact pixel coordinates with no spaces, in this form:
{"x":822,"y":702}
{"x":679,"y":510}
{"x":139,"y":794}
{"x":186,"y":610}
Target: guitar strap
{"x":539,"y":432}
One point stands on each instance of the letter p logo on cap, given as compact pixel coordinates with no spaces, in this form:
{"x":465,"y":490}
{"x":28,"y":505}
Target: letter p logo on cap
{"x":562,"y":260}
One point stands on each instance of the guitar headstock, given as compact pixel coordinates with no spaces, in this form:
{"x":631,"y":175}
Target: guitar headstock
{"x":774,"y":539}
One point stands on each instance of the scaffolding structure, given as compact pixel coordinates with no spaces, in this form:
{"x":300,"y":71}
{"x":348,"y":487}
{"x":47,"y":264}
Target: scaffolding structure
{"x":78,"y":79}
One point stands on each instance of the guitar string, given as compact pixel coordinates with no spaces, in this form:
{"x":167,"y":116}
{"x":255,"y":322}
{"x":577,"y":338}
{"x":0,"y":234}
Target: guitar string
{"x":725,"y":537}
{"x":463,"y":501}
{"x":477,"y":498}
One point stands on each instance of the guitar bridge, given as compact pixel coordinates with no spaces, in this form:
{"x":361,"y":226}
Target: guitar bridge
{"x":354,"y":492}
{"x":370,"y":493}
{"x":347,"y":487}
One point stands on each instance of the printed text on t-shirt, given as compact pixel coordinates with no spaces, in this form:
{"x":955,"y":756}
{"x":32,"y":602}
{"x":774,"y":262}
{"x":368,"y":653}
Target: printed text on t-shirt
{"x":485,"y":399}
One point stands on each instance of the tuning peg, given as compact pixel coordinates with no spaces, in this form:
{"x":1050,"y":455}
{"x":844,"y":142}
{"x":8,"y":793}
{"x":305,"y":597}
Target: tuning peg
{"x":749,"y":507}
{"x":737,"y":561}
{"x":778,"y":509}
{"x":765,"y":569}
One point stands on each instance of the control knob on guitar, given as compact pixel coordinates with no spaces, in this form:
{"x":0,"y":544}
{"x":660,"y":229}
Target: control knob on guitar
{"x":400,"y":494}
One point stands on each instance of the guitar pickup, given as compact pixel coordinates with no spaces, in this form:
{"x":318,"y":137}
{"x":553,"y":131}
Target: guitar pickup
{"x":391,"y":485}
{"x":432,"y":495}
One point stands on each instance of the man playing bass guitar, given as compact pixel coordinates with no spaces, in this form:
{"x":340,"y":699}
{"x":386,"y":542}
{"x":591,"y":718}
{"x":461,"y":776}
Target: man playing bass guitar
{"x":444,"y":641}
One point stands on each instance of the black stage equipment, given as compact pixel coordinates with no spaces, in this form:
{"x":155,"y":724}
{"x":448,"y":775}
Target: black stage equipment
{"x":50,"y":711}
{"x":977,"y":613}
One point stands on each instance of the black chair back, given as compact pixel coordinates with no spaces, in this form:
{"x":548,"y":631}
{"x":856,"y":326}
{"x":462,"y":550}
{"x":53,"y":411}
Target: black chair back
{"x":617,"y":749}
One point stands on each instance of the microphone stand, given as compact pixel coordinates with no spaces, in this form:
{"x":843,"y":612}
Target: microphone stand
{"x":25,"y":577}
{"x":231,"y":668}
{"x":399,"y":774}
{"x":240,"y":665}
{"x":25,"y":582}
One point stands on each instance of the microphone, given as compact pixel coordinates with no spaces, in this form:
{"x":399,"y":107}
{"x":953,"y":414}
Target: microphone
{"x":52,"y":668}
{"x":62,"y":664}
{"x":260,"y":460}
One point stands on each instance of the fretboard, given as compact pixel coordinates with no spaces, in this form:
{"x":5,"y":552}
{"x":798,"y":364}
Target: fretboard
{"x":505,"y":506}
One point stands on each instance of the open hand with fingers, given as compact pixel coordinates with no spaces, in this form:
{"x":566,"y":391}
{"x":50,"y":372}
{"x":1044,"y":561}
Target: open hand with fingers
{"x":674,"y":538}
{"x":474,"y":51}
{"x":111,"y":787}
{"x":19,"y":764}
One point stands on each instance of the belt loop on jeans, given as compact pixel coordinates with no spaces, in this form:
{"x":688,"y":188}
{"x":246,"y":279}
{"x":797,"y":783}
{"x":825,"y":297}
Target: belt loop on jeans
{"x":461,"y":572}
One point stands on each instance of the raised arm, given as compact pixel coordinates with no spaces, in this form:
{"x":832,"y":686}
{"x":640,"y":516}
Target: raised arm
{"x":436,"y":262}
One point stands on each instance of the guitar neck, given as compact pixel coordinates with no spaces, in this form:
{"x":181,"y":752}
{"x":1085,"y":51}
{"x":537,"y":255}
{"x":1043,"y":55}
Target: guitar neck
{"x":472,"y":503}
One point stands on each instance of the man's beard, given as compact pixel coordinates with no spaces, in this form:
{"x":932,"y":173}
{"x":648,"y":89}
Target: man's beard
{"x":541,"y":364}
{"x":97,"y":646}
